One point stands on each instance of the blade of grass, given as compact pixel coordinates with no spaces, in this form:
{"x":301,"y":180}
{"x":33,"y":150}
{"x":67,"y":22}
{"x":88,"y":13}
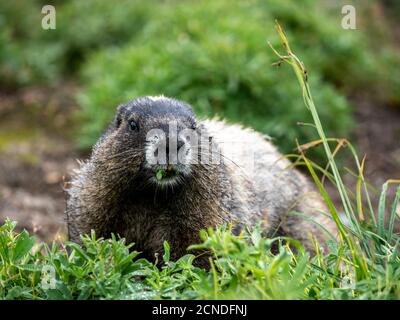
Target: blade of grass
{"x":381,"y":210}
{"x":358,"y":192}
{"x":393,"y":214}
{"x":358,"y":257}
{"x":302,"y":77}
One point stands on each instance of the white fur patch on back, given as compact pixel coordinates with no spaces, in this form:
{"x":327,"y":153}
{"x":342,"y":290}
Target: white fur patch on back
{"x":157,"y":98}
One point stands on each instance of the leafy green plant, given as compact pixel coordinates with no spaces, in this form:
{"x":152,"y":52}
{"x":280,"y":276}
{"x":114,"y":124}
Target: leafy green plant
{"x":107,"y":269}
{"x":242,"y":267}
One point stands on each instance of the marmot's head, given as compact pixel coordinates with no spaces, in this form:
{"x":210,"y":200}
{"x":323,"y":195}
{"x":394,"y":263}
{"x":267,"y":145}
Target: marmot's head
{"x":151,"y":139}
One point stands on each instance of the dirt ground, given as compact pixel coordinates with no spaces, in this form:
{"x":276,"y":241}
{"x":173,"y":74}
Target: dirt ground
{"x":36,"y":156}
{"x":37,"y":153}
{"x":377,"y":137}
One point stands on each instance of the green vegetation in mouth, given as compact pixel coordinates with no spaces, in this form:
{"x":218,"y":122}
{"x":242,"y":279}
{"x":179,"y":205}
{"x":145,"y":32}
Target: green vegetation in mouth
{"x":160,"y":174}
{"x":168,"y":172}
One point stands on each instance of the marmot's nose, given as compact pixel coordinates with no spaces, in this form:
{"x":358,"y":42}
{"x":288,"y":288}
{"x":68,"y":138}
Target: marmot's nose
{"x":180,"y":143}
{"x":172,"y":154}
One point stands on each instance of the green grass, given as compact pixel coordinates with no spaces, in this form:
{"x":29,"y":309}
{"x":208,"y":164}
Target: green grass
{"x":363,"y":263}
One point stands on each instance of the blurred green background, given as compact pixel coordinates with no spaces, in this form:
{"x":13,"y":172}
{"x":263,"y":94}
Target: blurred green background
{"x":213,"y":54}
{"x":67,"y":82}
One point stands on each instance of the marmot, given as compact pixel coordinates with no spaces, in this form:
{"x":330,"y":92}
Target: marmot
{"x":121,"y":189}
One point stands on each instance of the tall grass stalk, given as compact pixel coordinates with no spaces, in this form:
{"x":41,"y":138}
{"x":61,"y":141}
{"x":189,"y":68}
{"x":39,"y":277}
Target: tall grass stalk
{"x":354,"y":234}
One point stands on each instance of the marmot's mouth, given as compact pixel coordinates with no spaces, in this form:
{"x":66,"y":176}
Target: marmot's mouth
{"x":168,"y":175}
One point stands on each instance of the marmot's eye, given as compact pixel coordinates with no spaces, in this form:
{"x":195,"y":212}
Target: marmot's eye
{"x":133,"y":125}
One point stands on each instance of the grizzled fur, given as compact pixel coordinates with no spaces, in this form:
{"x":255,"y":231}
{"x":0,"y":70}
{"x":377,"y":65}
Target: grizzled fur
{"x":111,"y":192}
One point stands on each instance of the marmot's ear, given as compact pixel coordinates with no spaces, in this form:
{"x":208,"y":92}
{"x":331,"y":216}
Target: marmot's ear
{"x":121,"y":111}
{"x":117,"y":121}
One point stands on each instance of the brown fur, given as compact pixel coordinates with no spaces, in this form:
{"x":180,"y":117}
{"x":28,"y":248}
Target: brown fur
{"x":110,"y":194}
